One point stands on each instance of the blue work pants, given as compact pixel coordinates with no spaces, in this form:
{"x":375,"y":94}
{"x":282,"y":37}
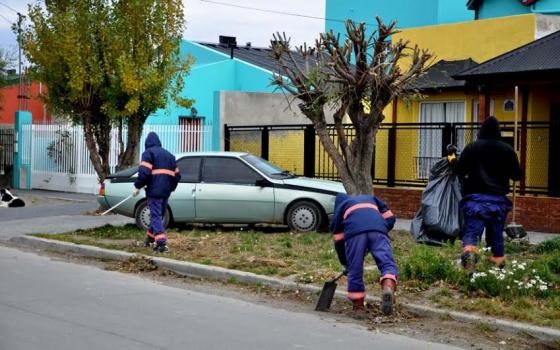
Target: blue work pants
{"x":356,"y":249}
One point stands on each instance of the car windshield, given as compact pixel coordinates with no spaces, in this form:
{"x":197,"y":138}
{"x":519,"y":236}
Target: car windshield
{"x":267,"y":167}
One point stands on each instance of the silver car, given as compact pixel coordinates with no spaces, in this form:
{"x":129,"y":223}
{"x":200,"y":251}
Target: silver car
{"x":230,"y":188}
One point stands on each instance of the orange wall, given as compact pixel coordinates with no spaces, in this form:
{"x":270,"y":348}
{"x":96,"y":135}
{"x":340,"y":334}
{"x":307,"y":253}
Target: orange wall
{"x":9,"y":104}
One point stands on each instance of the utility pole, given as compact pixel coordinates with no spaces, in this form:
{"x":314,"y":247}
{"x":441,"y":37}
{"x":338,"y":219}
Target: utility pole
{"x":22,"y":96}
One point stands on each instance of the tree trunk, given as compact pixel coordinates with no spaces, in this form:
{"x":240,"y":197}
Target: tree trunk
{"x":343,"y":171}
{"x":364,"y":159}
{"x":98,"y":151}
{"x":130,"y":156}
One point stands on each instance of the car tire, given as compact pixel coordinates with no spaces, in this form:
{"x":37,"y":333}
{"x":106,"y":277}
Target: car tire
{"x":142,"y":216}
{"x":304,"y":216}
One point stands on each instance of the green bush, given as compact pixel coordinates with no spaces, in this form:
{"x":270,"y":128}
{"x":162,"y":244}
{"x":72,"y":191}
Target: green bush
{"x":426,"y":264}
{"x":550,"y":246}
{"x":553,"y":263}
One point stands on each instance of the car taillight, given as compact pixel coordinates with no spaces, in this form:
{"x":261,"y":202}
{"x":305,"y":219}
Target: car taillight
{"x":102,"y":189}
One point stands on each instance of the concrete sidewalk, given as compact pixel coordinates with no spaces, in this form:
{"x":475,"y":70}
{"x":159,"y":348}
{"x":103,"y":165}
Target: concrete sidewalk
{"x":534,"y":237}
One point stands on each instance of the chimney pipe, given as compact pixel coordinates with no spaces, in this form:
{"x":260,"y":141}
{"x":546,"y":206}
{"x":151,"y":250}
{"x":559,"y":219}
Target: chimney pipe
{"x":230,"y":41}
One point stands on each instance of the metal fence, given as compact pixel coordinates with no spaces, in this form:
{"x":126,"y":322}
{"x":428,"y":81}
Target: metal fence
{"x":60,"y":159}
{"x":404,"y":153}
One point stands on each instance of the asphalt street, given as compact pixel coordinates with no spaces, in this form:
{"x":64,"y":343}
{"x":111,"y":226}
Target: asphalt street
{"x":50,"y":304}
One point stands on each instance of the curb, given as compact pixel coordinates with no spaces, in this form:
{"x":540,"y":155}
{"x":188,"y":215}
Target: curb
{"x":219,"y":273}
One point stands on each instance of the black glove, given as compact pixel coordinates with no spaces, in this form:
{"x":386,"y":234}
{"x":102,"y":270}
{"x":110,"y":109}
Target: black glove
{"x":451,"y":149}
{"x":340,"y":251}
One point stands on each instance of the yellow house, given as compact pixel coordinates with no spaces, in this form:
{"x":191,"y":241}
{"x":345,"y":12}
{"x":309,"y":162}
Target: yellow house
{"x":458,"y":47}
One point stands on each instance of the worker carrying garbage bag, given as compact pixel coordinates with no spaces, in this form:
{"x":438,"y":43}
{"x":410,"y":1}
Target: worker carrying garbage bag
{"x":439,"y":218}
{"x":361,"y":224}
{"x":486,"y":165}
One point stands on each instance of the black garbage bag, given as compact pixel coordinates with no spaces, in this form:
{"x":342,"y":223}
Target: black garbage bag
{"x":439,"y":219}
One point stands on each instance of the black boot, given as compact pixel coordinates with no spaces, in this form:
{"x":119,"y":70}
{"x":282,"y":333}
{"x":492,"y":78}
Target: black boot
{"x":469,"y":261}
{"x":161,"y":248}
{"x":149,"y":239}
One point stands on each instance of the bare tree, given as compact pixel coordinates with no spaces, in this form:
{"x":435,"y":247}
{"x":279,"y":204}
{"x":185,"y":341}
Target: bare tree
{"x":358,"y":76}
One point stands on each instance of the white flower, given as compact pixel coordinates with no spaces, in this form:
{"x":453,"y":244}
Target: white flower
{"x":533,"y":281}
{"x":543,"y":287}
{"x":534,"y":271}
{"x":508,"y":287}
{"x":472,"y":280}
{"x":514,"y":262}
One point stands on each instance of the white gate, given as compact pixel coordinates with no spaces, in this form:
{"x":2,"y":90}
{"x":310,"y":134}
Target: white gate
{"x":60,"y":159}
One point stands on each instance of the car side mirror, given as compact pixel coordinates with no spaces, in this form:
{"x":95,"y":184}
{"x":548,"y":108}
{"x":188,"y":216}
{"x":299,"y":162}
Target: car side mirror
{"x":262,"y":183}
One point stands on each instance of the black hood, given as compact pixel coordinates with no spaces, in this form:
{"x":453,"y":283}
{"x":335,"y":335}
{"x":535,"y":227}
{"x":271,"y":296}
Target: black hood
{"x":152,"y":140}
{"x":490,"y":129}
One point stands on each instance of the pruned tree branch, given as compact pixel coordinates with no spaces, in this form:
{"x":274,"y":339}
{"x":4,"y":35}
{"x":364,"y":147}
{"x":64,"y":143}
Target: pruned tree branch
{"x":357,"y":76}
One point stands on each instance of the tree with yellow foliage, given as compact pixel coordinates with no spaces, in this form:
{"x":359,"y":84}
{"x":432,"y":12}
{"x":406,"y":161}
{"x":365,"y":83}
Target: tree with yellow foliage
{"x":108,"y":63}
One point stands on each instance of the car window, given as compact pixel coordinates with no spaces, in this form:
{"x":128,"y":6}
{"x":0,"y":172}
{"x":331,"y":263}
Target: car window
{"x":189,"y":167}
{"x":124,"y":173}
{"x":228,"y":170}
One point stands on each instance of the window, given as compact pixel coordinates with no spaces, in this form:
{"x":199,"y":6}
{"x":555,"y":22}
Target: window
{"x":189,"y":168}
{"x":191,"y":134}
{"x":228,"y":170}
{"x":430,"y":139}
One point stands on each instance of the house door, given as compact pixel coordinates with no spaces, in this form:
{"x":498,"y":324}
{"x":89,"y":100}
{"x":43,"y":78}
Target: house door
{"x":554,"y":152}
{"x":191,"y":129}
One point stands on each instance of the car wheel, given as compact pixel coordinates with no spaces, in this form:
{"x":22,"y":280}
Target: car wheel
{"x":304,"y":216}
{"x":142,"y":216}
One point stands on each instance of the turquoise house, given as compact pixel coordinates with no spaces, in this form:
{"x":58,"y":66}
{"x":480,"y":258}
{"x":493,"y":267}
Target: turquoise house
{"x":216,"y":70}
{"x":499,"y":8}
{"x":409,"y":13}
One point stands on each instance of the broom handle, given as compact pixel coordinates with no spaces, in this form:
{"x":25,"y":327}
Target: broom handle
{"x":515,"y":144}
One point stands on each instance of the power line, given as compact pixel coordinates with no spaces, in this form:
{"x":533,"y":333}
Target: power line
{"x":6,"y":19}
{"x":275,"y":11}
{"x":11,"y":8}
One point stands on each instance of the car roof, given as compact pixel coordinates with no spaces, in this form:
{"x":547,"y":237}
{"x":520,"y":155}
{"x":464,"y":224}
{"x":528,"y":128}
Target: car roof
{"x":216,"y":153}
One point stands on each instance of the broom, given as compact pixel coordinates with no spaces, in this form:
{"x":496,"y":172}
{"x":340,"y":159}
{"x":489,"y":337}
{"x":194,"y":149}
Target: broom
{"x":514,"y":230}
{"x":327,"y":294}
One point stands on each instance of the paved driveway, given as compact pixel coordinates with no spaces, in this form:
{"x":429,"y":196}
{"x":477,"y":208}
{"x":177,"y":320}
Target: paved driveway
{"x":53,"y":212}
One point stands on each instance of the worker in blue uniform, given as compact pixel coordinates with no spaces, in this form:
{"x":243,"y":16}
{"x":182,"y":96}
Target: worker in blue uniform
{"x":360,"y":225}
{"x":158,"y":172}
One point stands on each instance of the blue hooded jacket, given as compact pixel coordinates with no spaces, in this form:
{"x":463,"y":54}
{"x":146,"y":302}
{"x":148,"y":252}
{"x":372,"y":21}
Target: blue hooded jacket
{"x":359,"y":214}
{"x":158,"y":169}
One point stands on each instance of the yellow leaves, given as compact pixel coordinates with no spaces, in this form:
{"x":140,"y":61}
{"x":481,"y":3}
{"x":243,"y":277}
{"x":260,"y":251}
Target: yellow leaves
{"x":127,"y":72}
{"x":132,"y":105}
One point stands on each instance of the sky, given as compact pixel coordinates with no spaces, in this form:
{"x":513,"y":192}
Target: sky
{"x":207,"y":20}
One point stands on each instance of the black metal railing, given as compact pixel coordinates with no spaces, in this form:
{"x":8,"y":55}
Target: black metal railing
{"x":404,"y":152}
